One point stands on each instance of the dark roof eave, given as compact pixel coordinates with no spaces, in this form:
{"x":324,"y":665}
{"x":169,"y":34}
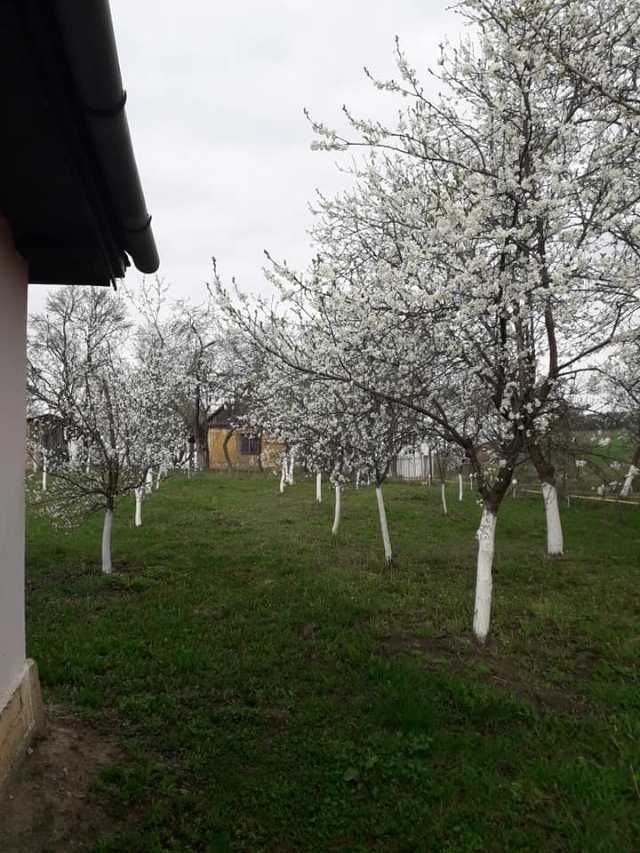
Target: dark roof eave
{"x":91,"y":54}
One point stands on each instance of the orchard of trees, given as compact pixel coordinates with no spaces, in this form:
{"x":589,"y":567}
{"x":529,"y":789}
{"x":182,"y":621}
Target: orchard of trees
{"x":474,"y":289}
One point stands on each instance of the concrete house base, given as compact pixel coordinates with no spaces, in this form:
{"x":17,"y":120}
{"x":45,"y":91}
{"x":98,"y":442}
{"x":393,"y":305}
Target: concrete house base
{"x":21,"y":719}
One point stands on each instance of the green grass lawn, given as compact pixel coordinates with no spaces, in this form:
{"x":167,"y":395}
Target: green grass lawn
{"x":278,"y":690}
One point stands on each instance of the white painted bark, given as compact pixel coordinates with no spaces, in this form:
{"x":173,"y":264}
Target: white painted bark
{"x":430,"y":468}
{"x":44,"y":470}
{"x":336,"y":514}
{"x":158,"y":477}
{"x":471,"y":482}
{"x":357,"y":479}
{"x":319,"y":487}
{"x":460,"y":487}
{"x":148,"y":483}
{"x":139,"y":493}
{"x":632,"y":473}
{"x":74,"y":451}
{"x":514,"y":488}
{"x":290,"y":470}
{"x":486,"y":536}
{"x":443,"y":495}
{"x":283,"y":474}
{"x":106,"y":542}
{"x":384,"y":527}
{"x":552,"y":516}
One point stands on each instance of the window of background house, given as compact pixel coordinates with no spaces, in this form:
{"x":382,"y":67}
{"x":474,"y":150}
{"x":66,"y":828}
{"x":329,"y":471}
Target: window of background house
{"x":249,"y":445}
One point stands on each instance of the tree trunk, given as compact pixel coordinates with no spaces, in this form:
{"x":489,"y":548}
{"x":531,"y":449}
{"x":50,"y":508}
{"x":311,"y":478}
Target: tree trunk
{"x":486,"y":536}
{"x":283,"y":473}
{"x":227,"y":458}
{"x":158,"y":477}
{"x":632,"y":473}
{"x":443,"y":495}
{"x":139,"y":493}
{"x":319,"y":487}
{"x":44,"y":470}
{"x":148,"y":483}
{"x":486,"y":533}
{"x":384,"y":528}
{"x":430,"y":468}
{"x":290,"y":469}
{"x":200,"y":431}
{"x":552,"y":515}
{"x":259,"y":457}
{"x":547,"y":474}
{"x":460,"y":486}
{"x":106,"y":542}
{"x":336,"y":514}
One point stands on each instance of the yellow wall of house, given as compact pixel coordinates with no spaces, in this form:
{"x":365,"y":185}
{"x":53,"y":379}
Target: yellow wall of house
{"x":271,"y":451}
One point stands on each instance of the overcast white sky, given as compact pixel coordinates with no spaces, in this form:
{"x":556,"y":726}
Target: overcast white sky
{"x":216,"y":92}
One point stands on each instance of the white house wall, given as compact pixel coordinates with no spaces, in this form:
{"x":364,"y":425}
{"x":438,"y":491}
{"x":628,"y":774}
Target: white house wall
{"x":13,"y":314}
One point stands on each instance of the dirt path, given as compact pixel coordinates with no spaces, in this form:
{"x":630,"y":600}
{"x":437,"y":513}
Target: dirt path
{"x":46,"y":805}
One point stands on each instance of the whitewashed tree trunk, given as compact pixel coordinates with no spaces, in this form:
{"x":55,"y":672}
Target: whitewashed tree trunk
{"x":552,"y":516}
{"x":106,"y":542}
{"x":357,"y":479}
{"x":336,"y":514}
{"x":319,"y":487}
{"x":158,"y":477}
{"x":514,"y":488}
{"x":460,"y":487}
{"x":74,"y":451}
{"x":443,"y":495}
{"x":486,"y":536}
{"x":471,"y":482}
{"x":44,"y":470}
{"x":632,"y":473}
{"x":290,"y":470}
{"x":283,"y":474}
{"x":148,"y":483}
{"x":384,"y":527}
{"x":430,"y":468}
{"x":139,"y":492}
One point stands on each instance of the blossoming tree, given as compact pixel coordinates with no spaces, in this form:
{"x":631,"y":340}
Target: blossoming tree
{"x":114,"y":409}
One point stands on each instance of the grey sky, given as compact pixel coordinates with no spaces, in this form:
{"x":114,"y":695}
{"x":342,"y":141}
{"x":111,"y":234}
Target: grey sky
{"x":215,"y":99}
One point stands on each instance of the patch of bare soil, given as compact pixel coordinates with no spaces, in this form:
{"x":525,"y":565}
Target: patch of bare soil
{"x":46,"y":806}
{"x":455,"y":655}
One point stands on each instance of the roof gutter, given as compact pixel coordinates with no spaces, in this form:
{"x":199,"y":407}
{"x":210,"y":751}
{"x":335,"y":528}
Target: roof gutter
{"x":90,"y":47}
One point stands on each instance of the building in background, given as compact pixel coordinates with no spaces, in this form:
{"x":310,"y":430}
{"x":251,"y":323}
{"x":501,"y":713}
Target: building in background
{"x":234,"y":448}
